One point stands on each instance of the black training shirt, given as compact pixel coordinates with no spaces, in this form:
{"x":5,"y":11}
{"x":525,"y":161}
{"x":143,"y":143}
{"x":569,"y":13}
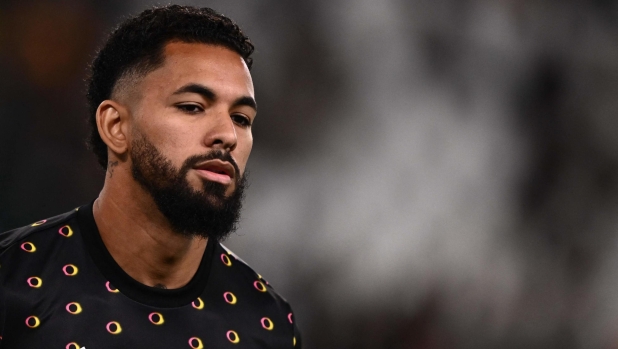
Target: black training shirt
{"x":60,"y":288}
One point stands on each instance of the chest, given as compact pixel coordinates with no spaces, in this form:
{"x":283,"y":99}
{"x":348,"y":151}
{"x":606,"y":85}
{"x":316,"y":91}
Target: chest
{"x":68,"y":304}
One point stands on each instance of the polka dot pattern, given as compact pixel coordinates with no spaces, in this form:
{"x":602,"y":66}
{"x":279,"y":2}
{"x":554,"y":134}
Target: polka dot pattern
{"x":156,"y":318}
{"x":267,"y":323}
{"x":33,"y":321}
{"x":226,"y":260}
{"x":196,"y":343}
{"x":70,"y":270}
{"x":36,"y":224}
{"x":28,"y":247}
{"x":34,"y":282}
{"x":113,"y":327}
{"x":111,"y":288}
{"x":229,"y":297}
{"x":250,"y":307}
{"x":74,"y":308}
{"x":259,"y":286}
{"x":233,"y":337}
{"x":65,"y":231}
{"x":198,"y":304}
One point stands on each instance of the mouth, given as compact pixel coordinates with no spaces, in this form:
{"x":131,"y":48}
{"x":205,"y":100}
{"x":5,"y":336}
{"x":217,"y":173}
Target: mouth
{"x":216,"y":171}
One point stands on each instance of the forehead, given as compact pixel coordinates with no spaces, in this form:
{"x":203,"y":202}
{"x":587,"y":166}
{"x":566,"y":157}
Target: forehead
{"x":217,"y":67}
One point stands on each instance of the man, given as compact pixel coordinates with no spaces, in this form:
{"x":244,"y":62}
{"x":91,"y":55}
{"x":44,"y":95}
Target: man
{"x":172,"y":104}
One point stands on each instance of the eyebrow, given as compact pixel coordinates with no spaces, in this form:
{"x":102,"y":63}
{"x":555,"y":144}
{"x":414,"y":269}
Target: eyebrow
{"x":248,"y":101}
{"x":209,"y":94}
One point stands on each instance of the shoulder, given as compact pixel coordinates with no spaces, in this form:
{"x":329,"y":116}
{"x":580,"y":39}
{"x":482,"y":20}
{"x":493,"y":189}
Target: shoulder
{"x":248,"y":281}
{"x":229,"y":259}
{"x":13,"y":237}
{"x":273,"y":308}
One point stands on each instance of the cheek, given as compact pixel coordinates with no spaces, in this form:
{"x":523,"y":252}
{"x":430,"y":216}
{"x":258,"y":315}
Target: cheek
{"x":172,"y":142}
{"x":242,"y":152}
{"x":173,"y":149}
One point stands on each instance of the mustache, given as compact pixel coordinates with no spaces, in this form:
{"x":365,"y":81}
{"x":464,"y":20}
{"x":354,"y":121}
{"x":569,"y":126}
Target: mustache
{"x":212,"y":155}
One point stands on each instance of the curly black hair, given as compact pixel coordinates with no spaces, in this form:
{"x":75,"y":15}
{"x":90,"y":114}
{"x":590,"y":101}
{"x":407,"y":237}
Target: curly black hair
{"x":136,"y":47}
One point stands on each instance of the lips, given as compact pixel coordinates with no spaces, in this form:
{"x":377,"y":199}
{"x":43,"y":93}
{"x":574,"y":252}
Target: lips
{"x":216,"y":171}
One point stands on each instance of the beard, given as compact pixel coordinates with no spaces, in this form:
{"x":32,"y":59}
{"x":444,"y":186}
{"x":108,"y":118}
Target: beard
{"x":205,"y":213}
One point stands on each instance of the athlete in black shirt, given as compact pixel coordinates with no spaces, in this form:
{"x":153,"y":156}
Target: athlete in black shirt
{"x":172,"y":104}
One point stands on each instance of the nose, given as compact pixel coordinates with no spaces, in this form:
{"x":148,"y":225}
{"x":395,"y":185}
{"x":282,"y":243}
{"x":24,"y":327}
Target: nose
{"x":221,"y":132}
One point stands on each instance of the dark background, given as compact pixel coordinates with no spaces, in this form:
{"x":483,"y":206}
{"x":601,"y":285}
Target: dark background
{"x":426,"y":173}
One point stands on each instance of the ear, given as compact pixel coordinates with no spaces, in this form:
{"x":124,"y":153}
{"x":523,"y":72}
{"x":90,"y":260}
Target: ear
{"x":112,"y":124}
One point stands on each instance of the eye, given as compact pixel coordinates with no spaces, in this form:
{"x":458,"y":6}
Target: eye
{"x":190,"y":108}
{"x":241,"y":120}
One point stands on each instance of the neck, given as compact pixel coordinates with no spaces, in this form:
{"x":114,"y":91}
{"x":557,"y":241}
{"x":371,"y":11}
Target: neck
{"x":139,"y":237}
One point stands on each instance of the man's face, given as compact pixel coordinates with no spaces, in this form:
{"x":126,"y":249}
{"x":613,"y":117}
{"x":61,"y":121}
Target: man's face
{"x":191,"y":135}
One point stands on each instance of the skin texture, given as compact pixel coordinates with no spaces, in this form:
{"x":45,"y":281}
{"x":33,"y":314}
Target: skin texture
{"x":180,"y":125}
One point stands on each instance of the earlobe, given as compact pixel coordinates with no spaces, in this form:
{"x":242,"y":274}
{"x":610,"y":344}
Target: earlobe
{"x":111,"y":124}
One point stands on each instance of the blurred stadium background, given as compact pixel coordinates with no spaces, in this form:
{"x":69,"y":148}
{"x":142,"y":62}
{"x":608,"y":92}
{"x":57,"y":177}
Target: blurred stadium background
{"x":426,"y":173}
